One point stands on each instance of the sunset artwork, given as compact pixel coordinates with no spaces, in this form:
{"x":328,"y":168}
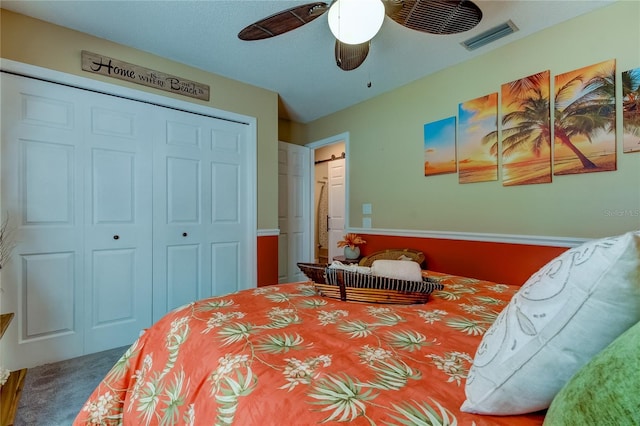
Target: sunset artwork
{"x":440,"y":147}
{"x":526,"y":133}
{"x":478,"y":118}
{"x":585,"y":126}
{"x":631,"y":110}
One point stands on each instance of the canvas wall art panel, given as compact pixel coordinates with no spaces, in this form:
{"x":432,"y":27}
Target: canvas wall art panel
{"x":525,"y":130}
{"x":631,"y":110}
{"x":440,"y":147}
{"x":585,"y":120}
{"x":477,"y":134}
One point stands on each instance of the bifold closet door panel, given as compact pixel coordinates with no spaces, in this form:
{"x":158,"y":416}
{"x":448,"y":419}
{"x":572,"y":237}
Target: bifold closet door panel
{"x":200,"y":225}
{"x":42,"y":185}
{"x":229,"y":197}
{"x":76,"y":183}
{"x":118,"y":218}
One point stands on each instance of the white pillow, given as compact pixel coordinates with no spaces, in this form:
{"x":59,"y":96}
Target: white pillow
{"x":561,"y":317}
{"x":398,"y":269}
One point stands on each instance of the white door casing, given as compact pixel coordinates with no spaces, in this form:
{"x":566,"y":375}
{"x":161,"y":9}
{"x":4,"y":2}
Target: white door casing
{"x":344,"y":138}
{"x":294,"y":215}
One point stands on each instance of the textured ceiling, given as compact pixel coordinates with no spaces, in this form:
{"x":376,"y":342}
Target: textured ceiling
{"x":298,"y":65}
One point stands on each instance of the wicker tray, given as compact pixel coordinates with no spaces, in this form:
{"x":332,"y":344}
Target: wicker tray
{"x":314,"y":271}
{"x":317,"y":273}
{"x":370,"y":295}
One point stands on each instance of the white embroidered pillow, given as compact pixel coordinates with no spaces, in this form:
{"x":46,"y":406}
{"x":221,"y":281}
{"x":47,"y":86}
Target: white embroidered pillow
{"x":562,"y":316}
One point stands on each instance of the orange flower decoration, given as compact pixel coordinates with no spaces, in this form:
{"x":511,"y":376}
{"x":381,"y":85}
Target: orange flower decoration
{"x":351,"y":240}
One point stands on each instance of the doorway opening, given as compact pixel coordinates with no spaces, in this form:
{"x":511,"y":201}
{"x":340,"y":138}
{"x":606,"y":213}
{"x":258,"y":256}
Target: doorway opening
{"x":329,"y":199}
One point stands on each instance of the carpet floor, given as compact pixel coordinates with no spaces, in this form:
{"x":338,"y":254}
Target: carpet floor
{"x":53,"y":394}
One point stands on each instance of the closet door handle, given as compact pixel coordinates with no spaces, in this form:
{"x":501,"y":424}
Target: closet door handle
{"x":184,"y":234}
{"x":116,"y":237}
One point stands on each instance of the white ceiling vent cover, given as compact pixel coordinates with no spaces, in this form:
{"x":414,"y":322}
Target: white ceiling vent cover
{"x":490,"y":35}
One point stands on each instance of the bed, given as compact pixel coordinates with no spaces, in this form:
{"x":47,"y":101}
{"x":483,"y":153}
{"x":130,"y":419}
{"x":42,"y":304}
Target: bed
{"x":282,"y":355}
{"x":476,"y":353}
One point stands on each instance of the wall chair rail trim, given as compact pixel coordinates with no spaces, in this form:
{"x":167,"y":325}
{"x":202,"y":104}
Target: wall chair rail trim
{"x":268,"y":232}
{"x":535,"y":240}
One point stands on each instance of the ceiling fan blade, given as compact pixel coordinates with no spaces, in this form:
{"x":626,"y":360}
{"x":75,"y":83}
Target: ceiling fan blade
{"x":283,"y":21}
{"x":350,"y":56}
{"x":434,"y":16}
{"x":391,"y":7}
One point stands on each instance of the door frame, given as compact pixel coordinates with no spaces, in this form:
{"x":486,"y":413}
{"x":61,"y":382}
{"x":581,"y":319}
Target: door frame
{"x":251,"y":200}
{"x":341,"y":137}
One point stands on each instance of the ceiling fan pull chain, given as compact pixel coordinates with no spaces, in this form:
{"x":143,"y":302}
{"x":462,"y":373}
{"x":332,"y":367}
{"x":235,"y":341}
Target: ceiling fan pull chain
{"x":369,"y":70}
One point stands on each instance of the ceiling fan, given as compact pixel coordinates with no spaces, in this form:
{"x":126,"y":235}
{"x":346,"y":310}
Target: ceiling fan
{"x":355,"y":22}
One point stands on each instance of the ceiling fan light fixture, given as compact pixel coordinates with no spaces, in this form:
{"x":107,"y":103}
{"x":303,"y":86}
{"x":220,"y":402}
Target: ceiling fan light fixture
{"x":356,"y":21}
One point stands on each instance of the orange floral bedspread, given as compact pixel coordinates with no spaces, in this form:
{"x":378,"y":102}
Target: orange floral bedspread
{"x":282,"y":355}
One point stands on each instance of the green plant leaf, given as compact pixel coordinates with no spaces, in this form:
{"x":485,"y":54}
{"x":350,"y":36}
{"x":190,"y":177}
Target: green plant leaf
{"x":340,"y":395}
{"x":280,"y":343}
{"x":356,"y":328}
{"x":467,"y":325}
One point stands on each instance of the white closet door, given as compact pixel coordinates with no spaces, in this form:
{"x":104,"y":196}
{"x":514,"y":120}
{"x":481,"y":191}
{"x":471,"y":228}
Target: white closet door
{"x":80,"y":171}
{"x":229,"y":228}
{"x":42,"y":186}
{"x":118,"y":231}
{"x":294,"y":240}
{"x":76,"y":172}
{"x":200,"y":219}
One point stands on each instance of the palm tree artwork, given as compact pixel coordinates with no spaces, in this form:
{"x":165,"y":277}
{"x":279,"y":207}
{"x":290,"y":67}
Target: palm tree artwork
{"x":440,"y":147}
{"x":584,"y":120}
{"x":477,"y":162}
{"x":526,"y":131}
{"x":631,"y":110}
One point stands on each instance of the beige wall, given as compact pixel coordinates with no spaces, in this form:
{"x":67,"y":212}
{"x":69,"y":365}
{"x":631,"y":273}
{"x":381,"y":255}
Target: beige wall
{"x":386,"y":143}
{"x":386,"y":132}
{"x":292,"y":132}
{"x":35,"y":42}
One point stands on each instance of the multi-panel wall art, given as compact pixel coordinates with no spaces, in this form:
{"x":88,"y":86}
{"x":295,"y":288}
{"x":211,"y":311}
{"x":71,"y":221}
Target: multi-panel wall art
{"x":583,"y":128}
{"x":631,"y":110}
{"x":477,"y":130}
{"x":440,"y":147}
{"x":585,"y":120}
{"x":526,"y":131}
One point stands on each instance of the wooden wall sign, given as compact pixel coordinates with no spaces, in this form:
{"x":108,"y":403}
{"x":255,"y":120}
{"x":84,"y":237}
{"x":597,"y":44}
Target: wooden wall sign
{"x":103,"y":65}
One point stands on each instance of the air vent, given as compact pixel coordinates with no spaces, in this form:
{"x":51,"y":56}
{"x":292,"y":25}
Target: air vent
{"x":490,"y":35}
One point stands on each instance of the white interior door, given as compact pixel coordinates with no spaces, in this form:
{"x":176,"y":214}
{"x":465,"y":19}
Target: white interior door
{"x":336,"y":194}
{"x":76,"y":173}
{"x":42,"y":185}
{"x":294,"y":211}
{"x":201,"y":228}
{"x":118,"y":231}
